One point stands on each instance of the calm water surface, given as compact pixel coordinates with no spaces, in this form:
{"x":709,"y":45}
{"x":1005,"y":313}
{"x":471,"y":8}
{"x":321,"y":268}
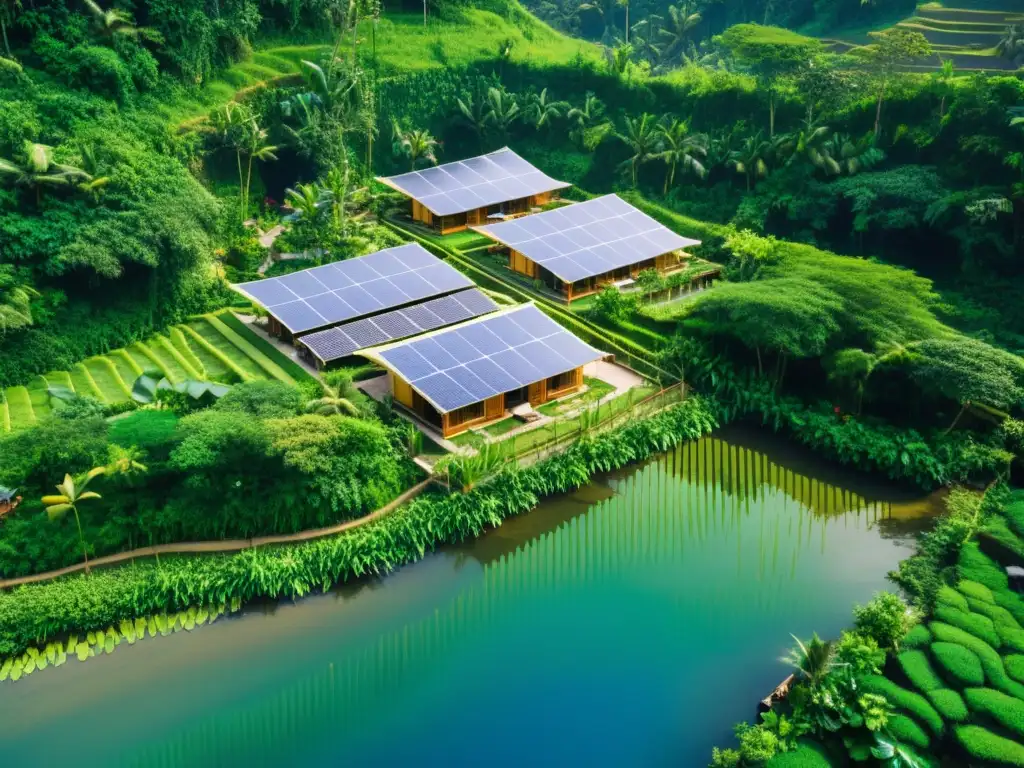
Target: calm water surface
{"x":628,"y":624}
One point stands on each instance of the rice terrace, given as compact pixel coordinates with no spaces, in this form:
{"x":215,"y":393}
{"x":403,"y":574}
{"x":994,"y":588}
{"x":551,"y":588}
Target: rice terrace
{"x":512,"y":382}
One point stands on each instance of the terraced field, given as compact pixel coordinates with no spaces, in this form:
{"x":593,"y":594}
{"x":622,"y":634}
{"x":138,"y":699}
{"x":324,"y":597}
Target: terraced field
{"x":214,"y":347}
{"x":965,"y":35}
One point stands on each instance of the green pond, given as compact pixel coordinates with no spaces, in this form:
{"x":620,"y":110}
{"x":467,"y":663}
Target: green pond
{"x":628,"y":624}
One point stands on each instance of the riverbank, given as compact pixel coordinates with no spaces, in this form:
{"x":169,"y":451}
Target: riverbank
{"x":34,"y":614}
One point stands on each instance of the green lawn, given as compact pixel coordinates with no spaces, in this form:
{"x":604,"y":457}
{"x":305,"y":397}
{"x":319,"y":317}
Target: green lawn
{"x":211,"y":347}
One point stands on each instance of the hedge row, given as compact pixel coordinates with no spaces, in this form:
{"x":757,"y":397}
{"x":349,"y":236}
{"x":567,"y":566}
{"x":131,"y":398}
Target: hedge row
{"x":919,"y":672}
{"x":982,"y":744}
{"x":1005,"y":710}
{"x":949,"y":704}
{"x":906,"y":700}
{"x":33,"y":613}
{"x":959,"y":664}
{"x":987,"y":655}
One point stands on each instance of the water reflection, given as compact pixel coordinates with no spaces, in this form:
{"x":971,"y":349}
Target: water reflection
{"x":637,"y":584}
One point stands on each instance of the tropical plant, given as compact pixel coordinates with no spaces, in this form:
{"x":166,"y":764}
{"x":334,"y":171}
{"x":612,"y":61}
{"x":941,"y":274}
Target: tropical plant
{"x":8,"y":10}
{"x":238,"y":129}
{"x":473,"y":112}
{"x":1011,"y":44}
{"x":676,"y":34}
{"x":814,"y":660}
{"x":115,"y":23}
{"x":650,"y":281}
{"x":641,"y":135}
{"x":619,"y":57}
{"x":812,"y":144}
{"x":502,"y":110}
{"x":147,"y":389}
{"x":856,"y":366}
{"x":541,"y":111}
{"x":885,"y":618}
{"x":416,"y":144}
{"x":750,"y":158}
{"x":338,"y":398}
{"x":38,"y":171}
{"x":853,"y":155}
{"x":72,"y":493}
{"x":892,"y":48}
{"x":588,"y":123}
{"x":680,"y":148}
{"x":944,"y":78}
{"x":307,"y":201}
{"x":15,"y":300}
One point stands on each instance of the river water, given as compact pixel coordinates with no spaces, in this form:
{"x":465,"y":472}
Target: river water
{"x":628,"y":624}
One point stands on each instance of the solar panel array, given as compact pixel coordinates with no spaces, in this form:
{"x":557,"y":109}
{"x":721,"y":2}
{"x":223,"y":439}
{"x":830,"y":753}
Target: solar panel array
{"x":587,"y":239}
{"x":475,"y":183}
{"x":349,"y":289}
{"x":474,"y":361}
{"x":345,"y":340}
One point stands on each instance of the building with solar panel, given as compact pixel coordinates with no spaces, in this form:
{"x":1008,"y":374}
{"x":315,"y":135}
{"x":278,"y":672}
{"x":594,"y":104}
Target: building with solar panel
{"x":578,"y":249}
{"x":367,"y":286}
{"x":471,"y":374}
{"x":451,"y":197}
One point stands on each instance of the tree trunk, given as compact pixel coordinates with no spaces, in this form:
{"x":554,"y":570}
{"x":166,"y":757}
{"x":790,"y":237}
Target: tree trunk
{"x":942,"y":107}
{"x":241,"y":185}
{"x":248,"y":183}
{"x":963,"y":408}
{"x":7,"y":44}
{"x":627,"y":23}
{"x":760,"y":368}
{"x":81,"y":537}
{"x":878,"y":110}
{"x":771,"y":113}
{"x":424,"y":14}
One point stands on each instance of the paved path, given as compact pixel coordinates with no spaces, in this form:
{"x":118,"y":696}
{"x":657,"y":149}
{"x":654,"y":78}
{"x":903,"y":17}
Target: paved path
{"x":227,"y":545}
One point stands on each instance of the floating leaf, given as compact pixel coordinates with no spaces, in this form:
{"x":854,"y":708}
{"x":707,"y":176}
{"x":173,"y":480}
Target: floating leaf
{"x":51,"y":651}
{"x":30,"y":663}
{"x":16,"y":670}
{"x":61,"y":658}
{"x":82,"y":649}
{"x":140,"y":628}
{"x":42,"y":663}
{"x":109,"y":644}
{"x":151,"y":625}
{"x":5,"y":669}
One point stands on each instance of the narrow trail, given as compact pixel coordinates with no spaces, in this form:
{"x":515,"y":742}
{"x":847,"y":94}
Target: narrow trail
{"x":227,"y":545}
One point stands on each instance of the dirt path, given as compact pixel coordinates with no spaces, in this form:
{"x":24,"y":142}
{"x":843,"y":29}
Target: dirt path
{"x":228,"y":545}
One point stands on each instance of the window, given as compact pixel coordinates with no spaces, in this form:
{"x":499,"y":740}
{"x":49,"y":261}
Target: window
{"x":562,"y":381}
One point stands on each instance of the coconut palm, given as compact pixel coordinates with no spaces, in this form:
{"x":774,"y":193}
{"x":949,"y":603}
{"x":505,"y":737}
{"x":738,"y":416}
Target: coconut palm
{"x":678,"y":29}
{"x":114,"y":23}
{"x":854,"y":155}
{"x":542,"y":112}
{"x":812,"y":144}
{"x":239,"y":131}
{"x":1011,"y":44}
{"x":414,"y":144}
{"x":335,"y":402}
{"x":945,"y":76}
{"x":750,"y":158}
{"x":8,"y":9}
{"x":618,"y":58}
{"x":680,"y":148}
{"x":37,"y":170}
{"x":72,"y":493}
{"x":473,"y":112}
{"x":813,"y":660}
{"x":15,"y":301}
{"x":644,"y":39}
{"x":502,"y":110}
{"x":586,"y":118}
{"x":642,"y":137}
{"x":306,"y":200}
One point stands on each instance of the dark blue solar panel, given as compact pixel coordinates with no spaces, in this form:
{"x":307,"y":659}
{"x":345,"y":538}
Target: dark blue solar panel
{"x":544,"y":359}
{"x":433,"y":352}
{"x":385,"y":263}
{"x":511,"y":162}
{"x":302,"y":284}
{"x":413,"y":286}
{"x":361,"y":301}
{"x":444,"y":278}
{"x":571,"y":348}
{"x":332,"y":344}
{"x":535,"y":322}
{"x":298,"y":316}
{"x":365,"y":333}
{"x":331,"y":308}
{"x":414,"y":184}
{"x":408,"y":363}
{"x":423,"y":317}
{"x":481,"y":338}
{"x":357,"y":269}
{"x":396,"y":325}
{"x":458,"y":347}
{"x":450,"y":310}
{"x":445,"y":392}
{"x":508,"y":330}
{"x":494,"y":376}
{"x":268,"y":292}
{"x":332,"y":278}
{"x":517,"y":366}
{"x":475,"y":301}
{"x":440,"y":179}
{"x":480,"y":390}
{"x":385,"y":292}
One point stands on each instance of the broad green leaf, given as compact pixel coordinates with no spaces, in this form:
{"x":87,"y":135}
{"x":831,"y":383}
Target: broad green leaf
{"x":82,"y":649}
{"x":5,"y":669}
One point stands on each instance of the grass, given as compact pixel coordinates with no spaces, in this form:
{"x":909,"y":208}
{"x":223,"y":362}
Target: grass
{"x":919,"y":672}
{"x":961,"y":665}
{"x":143,"y":428}
{"x":596,"y":389}
{"x":949,"y":704}
{"x":908,"y":731}
{"x":217,"y":347}
{"x":918,"y":637}
{"x":978,"y":625}
{"x":984,"y":745}
{"x":1005,"y":710}
{"x":991,"y":663}
{"x":1015,"y":667}
{"x":905,"y":700}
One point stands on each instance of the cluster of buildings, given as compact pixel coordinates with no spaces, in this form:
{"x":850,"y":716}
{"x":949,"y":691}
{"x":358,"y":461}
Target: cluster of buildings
{"x":453,"y":357}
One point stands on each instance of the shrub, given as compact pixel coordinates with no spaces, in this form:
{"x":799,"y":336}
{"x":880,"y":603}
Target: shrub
{"x":1006,"y":710}
{"x":998,"y":614}
{"x":950,"y":597}
{"x":978,"y":625}
{"x":1015,"y":667}
{"x":906,"y":700}
{"x":976,"y":566}
{"x":804,"y":756}
{"x":919,"y":671}
{"x":949,"y":704}
{"x":975,"y":590}
{"x":907,"y":731}
{"x":884,"y":618}
{"x":143,"y":428}
{"x":1012,"y":636}
{"x":918,"y":637}
{"x":982,"y":744}
{"x":990,"y":661}
{"x":757,"y":745}
{"x":1012,"y":602}
{"x":1014,"y":512}
{"x":959,"y":663}
{"x":858,"y":654}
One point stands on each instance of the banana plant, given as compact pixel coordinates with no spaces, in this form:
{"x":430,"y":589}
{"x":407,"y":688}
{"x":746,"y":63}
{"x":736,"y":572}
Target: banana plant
{"x":72,"y":493}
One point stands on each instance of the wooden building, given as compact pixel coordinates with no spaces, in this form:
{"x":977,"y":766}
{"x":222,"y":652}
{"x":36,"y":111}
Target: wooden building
{"x":471,"y":374}
{"x":497,"y":186}
{"x":578,"y":249}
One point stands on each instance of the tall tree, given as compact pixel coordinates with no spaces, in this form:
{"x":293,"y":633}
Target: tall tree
{"x":771,"y":54}
{"x":892,"y":48}
{"x":8,"y":10}
{"x":641,"y":136}
{"x":678,"y":29}
{"x":586,"y":121}
{"x":502,"y":110}
{"x":680,"y":148}
{"x":944,"y":77}
{"x":115,"y":23}
{"x":750,"y":158}
{"x":38,"y":171}
{"x":542,"y":111}
{"x":416,"y":144}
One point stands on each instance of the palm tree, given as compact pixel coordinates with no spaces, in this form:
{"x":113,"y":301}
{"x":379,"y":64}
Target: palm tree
{"x":72,"y":493}
{"x":583,"y":119}
{"x":8,"y":9}
{"x":38,"y":170}
{"x":305,"y":199}
{"x":502,"y":110}
{"x":813,"y":144}
{"x":854,"y":155}
{"x":473,"y":112}
{"x":542,"y":112}
{"x":749,"y":159}
{"x":676,"y":33}
{"x":618,"y":58}
{"x":813,"y":660}
{"x":643,"y":39}
{"x":1011,"y":44}
{"x":945,"y":76}
{"x":115,"y":23}
{"x":414,"y":144}
{"x":239,"y":131}
{"x":642,"y":137}
{"x":335,"y":402}
{"x":15,"y":301}
{"x":92,"y":164}
{"x":681,"y":148}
